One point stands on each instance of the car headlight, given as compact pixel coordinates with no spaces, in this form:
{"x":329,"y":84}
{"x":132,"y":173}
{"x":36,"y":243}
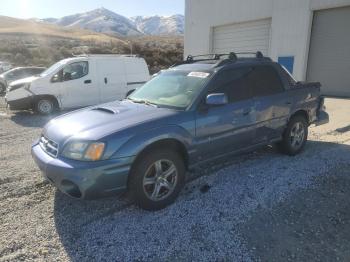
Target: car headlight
{"x":84,"y":151}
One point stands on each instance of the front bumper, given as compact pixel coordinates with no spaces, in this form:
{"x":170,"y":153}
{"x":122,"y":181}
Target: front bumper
{"x":85,"y":180}
{"x":20,"y":104}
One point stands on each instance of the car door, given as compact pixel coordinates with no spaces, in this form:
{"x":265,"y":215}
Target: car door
{"x":271,"y":102}
{"x":112,"y":79}
{"x":78,"y":87}
{"x":137,"y":73}
{"x":230,"y":127}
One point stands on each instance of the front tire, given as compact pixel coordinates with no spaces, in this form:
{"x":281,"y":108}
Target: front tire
{"x":45,"y":106}
{"x":295,"y":136}
{"x":157,"y":179}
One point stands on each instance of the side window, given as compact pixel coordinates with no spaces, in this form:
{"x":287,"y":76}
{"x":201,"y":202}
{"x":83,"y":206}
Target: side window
{"x":265,"y":81}
{"x":17,"y":74}
{"x":34,"y":71}
{"x":233,"y":83}
{"x":21,"y":73}
{"x":11,"y":74}
{"x":75,"y":71}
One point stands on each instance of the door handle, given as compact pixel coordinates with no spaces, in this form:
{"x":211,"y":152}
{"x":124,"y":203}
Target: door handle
{"x":288,"y":103}
{"x":106,"y":80}
{"x":87,"y":82}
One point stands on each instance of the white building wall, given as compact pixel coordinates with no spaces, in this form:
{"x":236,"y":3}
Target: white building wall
{"x":290,"y":29}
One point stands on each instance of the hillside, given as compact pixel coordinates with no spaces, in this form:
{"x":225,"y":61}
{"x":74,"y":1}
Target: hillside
{"x":9,"y":25}
{"x":24,"y":42}
{"x":106,"y":21}
{"x":160,"y":25}
{"x":100,"y":20}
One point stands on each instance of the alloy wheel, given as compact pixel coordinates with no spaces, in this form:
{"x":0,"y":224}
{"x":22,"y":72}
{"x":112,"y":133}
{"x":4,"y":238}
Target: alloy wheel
{"x":297,"y":135}
{"x":160,"y":180}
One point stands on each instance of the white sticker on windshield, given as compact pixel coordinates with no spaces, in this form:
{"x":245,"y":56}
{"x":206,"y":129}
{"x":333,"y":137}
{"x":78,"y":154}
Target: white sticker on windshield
{"x":199,"y":74}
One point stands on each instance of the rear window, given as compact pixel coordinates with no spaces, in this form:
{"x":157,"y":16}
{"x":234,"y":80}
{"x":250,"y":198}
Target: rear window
{"x":264,"y":81}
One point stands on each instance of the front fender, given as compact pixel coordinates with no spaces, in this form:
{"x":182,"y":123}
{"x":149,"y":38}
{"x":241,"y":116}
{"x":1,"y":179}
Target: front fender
{"x":140,"y":141}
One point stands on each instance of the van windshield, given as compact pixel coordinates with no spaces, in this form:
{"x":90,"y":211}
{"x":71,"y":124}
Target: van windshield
{"x":174,"y":89}
{"x":52,"y":69}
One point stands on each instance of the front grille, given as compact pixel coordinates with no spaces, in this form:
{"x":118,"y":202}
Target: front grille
{"x":49,"y":146}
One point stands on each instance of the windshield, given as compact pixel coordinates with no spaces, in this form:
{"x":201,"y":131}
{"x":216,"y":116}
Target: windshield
{"x":51,"y":69}
{"x":176,"y":89}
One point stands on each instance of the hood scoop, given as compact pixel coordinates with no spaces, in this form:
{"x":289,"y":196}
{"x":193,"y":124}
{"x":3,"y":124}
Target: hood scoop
{"x":107,"y":110}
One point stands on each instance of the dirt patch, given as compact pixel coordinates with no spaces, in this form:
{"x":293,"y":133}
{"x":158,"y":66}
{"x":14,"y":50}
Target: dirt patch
{"x":312,"y":225}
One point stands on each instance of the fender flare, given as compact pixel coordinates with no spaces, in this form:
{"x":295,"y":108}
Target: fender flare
{"x":36,"y":98}
{"x":137,"y":144}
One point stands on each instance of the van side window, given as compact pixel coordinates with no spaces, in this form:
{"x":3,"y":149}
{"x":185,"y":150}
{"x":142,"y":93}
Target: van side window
{"x":264,"y":81}
{"x":75,"y":71}
{"x":233,"y":83}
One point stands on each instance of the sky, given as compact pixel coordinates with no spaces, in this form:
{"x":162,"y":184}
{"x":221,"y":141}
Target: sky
{"x":60,"y":8}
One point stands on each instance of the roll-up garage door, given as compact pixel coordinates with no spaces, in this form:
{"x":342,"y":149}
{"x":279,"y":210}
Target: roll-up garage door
{"x":243,"y":37}
{"x":329,"y":55}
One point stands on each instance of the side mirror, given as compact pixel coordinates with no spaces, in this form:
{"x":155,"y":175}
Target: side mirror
{"x":216,"y":99}
{"x":55,"y":78}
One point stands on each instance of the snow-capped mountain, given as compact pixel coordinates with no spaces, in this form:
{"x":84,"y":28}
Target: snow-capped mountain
{"x":100,"y":20}
{"x":160,"y":25}
{"x":103,"y":20}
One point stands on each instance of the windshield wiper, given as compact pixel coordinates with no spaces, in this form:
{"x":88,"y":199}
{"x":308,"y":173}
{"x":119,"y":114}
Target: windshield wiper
{"x":146,"y":102}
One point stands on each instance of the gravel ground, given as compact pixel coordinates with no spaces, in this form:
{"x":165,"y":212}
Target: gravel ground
{"x":258,"y":206}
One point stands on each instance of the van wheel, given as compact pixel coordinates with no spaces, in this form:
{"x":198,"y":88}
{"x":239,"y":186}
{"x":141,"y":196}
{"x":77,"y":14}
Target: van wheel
{"x":45,"y":106}
{"x":295,"y":136}
{"x":157,"y":179}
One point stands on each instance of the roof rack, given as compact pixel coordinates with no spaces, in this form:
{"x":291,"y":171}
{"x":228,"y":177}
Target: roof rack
{"x":232,"y":58}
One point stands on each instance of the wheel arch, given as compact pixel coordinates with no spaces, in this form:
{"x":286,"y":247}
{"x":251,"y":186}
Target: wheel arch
{"x":168,"y":143}
{"x":51,"y":97}
{"x":301,"y":112}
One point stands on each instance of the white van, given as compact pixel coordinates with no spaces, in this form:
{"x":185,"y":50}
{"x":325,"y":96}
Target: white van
{"x":78,"y":82}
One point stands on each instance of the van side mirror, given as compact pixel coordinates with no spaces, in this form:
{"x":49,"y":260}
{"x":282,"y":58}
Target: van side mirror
{"x":217,"y":99}
{"x":56,"y":78}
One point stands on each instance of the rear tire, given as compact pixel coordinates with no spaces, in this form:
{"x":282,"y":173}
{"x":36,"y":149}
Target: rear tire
{"x":157,"y":179}
{"x":45,"y":106}
{"x":295,"y":136}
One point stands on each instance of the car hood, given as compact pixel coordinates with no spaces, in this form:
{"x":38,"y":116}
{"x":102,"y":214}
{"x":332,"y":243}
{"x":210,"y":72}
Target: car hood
{"x":24,"y":80}
{"x":97,"y":122}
